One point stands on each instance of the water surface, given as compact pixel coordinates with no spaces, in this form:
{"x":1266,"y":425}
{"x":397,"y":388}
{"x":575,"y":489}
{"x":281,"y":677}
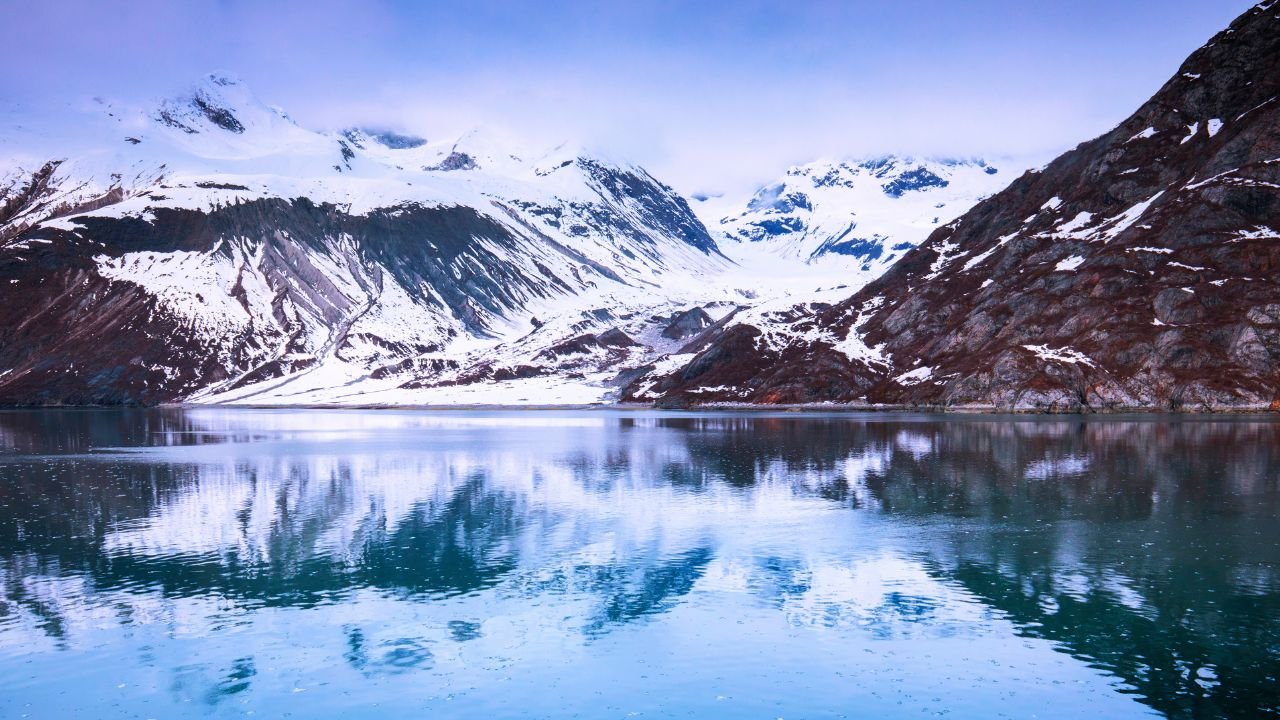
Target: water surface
{"x":220,"y":563}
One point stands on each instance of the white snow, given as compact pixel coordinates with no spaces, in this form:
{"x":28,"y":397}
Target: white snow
{"x":1214,"y":126}
{"x":1197,"y":185}
{"x":854,"y":347}
{"x":845,"y":203}
{"x":978,"y":259}
{"x":195,"y":285}
{"x":946,"y":252}
{"x":1110,"y":229}
{"x":1149,"y":132}
{"x":1259,"y":232}
{"x":1065,"y":355}
{"x":1071,"y":226}
{"x":332,"y":340}
{"x":1260,"y":105}
{"x":1085,"y":225}
{"x":915,"y":377}
{"x":1070,"y":263}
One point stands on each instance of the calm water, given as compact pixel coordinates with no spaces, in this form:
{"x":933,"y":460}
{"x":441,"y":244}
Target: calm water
{"x":213,"y":563}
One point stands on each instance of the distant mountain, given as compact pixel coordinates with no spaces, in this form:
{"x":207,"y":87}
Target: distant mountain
{"x":207,"y":247}
{"x":870,"y":212}
{"x":1137,"y":270}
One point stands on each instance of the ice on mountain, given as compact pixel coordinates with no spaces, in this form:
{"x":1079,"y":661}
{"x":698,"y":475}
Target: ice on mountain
{"x":1125,"y":220}
{"x":811,"y":215}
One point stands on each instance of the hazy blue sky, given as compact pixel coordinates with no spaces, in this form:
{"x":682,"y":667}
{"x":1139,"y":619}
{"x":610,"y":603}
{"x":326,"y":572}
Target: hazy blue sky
{"x":709,"y":95}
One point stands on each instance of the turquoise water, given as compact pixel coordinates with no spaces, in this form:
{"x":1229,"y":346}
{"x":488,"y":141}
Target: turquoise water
{"x":218,"y":563}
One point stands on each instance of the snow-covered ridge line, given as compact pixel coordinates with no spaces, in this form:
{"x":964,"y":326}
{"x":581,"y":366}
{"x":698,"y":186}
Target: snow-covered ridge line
{"x":229,"y":255}
{"x":861,"y":214}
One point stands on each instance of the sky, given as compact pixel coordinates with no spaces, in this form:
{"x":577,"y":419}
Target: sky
{"x":711,"y":96}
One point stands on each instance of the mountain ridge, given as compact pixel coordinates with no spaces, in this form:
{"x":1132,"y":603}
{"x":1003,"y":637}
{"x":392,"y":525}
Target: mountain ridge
{"x":212,"y":245}
{"x":210,"y":250}
{"x":1131,"y":272}
{"x":869,"y":210}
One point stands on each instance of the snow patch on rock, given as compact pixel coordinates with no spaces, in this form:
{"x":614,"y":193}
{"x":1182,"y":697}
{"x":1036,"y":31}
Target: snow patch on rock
{"x":1063,"y":355}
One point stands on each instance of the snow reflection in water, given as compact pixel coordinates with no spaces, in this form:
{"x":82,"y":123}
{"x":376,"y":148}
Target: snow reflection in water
{"x":539,"y":564}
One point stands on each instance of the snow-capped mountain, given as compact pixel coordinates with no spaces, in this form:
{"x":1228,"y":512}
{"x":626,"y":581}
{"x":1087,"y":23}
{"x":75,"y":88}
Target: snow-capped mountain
{"x":1137,"y":270}
{"x":869,"y":212}
{"x":209,"y":247}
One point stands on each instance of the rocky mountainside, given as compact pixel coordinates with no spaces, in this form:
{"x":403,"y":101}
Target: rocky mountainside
{"x":1137,"y":270}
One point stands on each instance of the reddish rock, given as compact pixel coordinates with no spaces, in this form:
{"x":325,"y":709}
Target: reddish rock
{"x":1139,"y":268}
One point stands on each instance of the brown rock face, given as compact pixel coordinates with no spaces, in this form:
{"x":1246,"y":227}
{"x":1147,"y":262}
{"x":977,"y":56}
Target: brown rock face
{"x":1138,"y":270}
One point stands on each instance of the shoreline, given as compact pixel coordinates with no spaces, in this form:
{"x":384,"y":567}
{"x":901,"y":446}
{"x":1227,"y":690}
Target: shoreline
{"x":799,"y":408}
{"x":814,"y":408}
{"x":742,"y":408}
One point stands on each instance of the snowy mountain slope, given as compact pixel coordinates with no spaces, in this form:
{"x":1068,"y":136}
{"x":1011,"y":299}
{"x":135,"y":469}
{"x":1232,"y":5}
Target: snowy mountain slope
{"x":210,"y":247}
{"x":767,"y":287}
{"x":1136,"y":270}
{"x":219,"y":145}
{"x":207,"y":248}
{"x":867,"y":213}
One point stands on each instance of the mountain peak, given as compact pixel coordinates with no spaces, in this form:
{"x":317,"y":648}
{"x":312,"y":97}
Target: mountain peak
{"x":223,"y":79}
{"x":1229,"y":77}
{"x":868,"y":210}
{"x":220,"y":102}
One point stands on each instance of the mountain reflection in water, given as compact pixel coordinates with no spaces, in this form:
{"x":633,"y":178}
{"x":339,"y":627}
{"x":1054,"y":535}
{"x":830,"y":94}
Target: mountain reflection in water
{"x":232,"y":559}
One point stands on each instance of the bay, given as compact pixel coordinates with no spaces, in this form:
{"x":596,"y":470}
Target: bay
{"x":211,"y":562}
